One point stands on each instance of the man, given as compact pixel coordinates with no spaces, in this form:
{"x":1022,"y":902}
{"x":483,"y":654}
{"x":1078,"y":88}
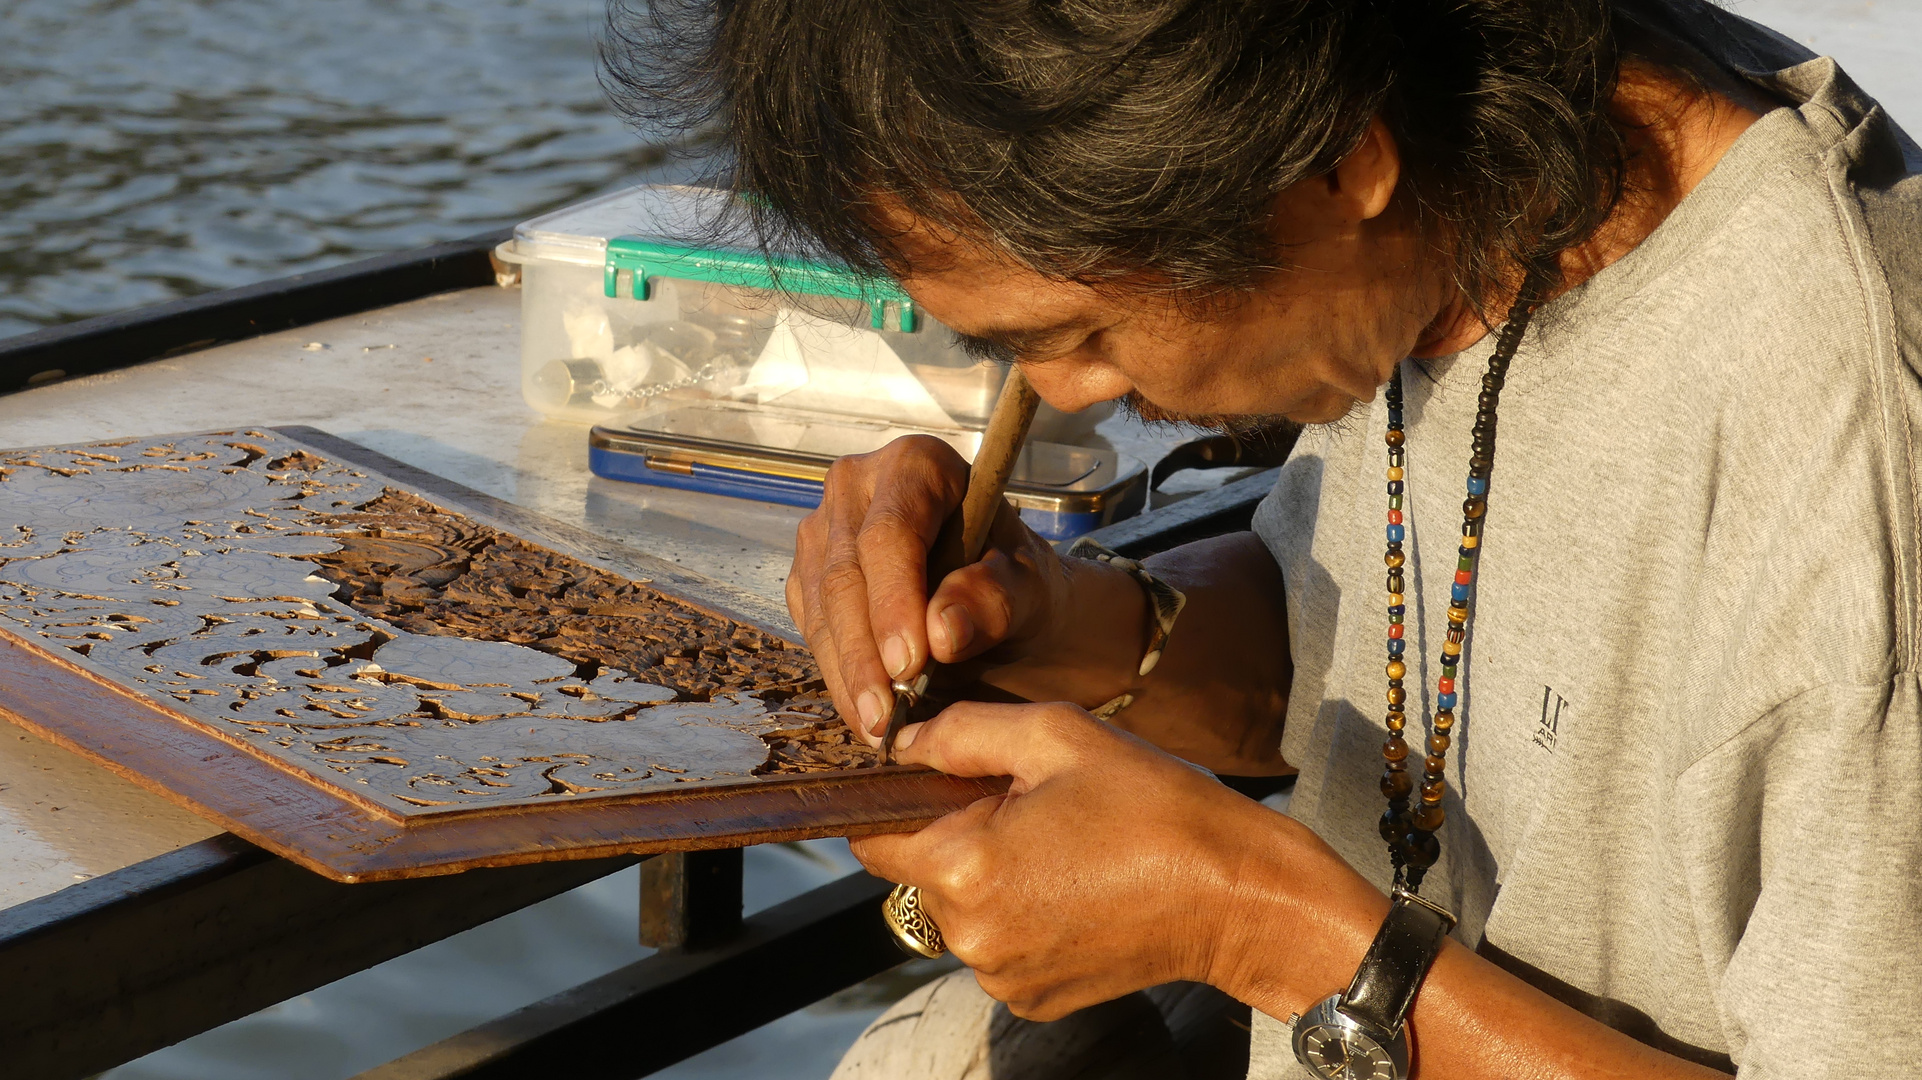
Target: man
{"x":1673,"y":759}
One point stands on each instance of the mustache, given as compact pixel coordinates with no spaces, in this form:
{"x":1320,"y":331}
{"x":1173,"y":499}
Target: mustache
{"x":1254,"y":429}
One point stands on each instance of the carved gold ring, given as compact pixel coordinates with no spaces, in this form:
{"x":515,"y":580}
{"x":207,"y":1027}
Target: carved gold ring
{"x":912,"y":927}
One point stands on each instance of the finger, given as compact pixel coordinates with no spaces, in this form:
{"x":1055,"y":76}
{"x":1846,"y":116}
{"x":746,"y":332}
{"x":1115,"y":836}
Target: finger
{"x":826,"y":658}
{"x":883,"y":854}
{"x":997,"y":599}
{"x":796,"y":600}
{"x":821,"y":640}
{"x":923,"y":481}
{"x":927,"y":858}
{"x":810,"y":545}
{"x":842,"y":596}
{"x":1024,"y":741}
{"x":980,"y":606}
{"x":810,"y":548}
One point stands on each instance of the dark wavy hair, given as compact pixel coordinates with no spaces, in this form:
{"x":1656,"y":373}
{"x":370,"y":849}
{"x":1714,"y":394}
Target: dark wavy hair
{"x":1117,"y":142}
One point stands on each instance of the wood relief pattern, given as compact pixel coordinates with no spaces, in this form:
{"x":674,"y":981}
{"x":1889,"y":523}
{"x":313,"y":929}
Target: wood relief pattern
{"x":362,"y":636}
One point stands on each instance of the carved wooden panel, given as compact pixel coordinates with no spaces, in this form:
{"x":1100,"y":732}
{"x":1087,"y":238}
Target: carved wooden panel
{"x":390,"y":652}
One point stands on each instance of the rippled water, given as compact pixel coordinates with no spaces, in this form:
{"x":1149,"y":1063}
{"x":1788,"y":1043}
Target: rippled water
{"x":151,"y":149}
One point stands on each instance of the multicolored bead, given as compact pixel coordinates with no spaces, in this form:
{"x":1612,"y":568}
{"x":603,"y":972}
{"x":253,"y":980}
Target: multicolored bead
{"x":1410,"y":833}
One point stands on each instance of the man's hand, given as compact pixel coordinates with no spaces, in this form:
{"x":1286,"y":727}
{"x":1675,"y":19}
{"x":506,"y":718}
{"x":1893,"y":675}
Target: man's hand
{"x":1108,"y":866}
{"x":1037,"y":626}
{"x":859,"y":588}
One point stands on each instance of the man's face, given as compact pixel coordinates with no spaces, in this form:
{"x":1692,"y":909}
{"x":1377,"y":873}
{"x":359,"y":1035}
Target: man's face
{"x":1307,"y":343}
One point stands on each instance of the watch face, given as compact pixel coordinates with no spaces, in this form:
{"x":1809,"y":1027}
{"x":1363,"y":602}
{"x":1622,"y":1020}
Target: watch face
{"x":1344,"y":1054}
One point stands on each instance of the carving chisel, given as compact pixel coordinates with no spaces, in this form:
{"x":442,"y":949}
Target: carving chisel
{"x":965,"y":536}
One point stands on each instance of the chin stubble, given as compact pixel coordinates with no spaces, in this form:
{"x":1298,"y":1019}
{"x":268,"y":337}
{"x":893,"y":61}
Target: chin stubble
{"x":1255,"y":429}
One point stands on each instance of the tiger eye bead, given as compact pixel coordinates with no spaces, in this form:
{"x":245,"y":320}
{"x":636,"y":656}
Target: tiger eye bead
{"x":1396,"y":669}
{"x":1433,"y":788}
{"x":1422,"y":849}
{"x":1395,"y":559}
{"x":1474,"y":507}
{"x":1396,"y":722}
{"x":1444,"y":719}
{"x":1396,"y":695}
{"x":1396,"y":783}
{"x":1438,"y":744}
{"x":1395,"y":438}
{"x":1394,"y":825}
{"x":1433,"y":766}
{"x":1429,"y":817}
{"x":1395,"y":749}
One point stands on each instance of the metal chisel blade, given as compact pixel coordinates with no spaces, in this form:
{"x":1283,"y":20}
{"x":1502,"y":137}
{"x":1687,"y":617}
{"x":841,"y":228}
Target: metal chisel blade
{"x":906,"y":695}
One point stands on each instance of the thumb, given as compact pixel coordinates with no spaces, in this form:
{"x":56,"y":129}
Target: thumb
{"x":1028,"y":742}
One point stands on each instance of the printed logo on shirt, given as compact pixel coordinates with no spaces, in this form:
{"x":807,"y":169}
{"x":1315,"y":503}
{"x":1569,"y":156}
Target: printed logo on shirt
{"x":1554,"y":710}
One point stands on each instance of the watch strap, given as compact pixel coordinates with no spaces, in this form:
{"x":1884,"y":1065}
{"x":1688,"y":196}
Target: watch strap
{"x":1391,"y":973}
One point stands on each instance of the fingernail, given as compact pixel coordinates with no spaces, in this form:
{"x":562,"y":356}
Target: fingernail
{"x":960,"y":628}
{"x":906,"y":738}
{"x":874,"y":712}
{"x":896,"y":654}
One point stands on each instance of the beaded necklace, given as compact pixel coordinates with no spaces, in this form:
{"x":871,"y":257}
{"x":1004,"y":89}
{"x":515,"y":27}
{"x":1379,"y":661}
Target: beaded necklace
{"x":1410,"y":833}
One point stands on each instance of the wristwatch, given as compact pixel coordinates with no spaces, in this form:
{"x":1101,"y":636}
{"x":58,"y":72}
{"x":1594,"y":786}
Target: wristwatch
{"x":1358,"y":1034}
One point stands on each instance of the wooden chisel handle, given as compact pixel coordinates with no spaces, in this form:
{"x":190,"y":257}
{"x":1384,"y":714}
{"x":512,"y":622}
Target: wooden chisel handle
{"x":994,"y":463}
{"x":966,"y":535}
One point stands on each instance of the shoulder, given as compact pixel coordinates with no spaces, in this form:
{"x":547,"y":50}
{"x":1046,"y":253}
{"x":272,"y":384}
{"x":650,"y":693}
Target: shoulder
{"x":1850,"y":200}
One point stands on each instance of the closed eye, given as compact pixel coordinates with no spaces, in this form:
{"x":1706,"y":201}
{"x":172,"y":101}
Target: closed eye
{"x":980,"y":348}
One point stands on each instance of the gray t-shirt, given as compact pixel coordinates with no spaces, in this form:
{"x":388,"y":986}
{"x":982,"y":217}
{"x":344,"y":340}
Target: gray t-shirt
{"x":1686,"y":789}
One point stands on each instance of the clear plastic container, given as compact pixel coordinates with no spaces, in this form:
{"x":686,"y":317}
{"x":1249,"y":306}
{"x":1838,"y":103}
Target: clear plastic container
{"x":620,"y":313}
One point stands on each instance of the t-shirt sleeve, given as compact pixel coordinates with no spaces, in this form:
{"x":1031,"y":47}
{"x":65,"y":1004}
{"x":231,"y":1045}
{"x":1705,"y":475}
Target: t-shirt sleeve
{"x":1804,"y":838}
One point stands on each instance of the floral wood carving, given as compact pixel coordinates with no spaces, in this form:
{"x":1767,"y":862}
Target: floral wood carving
{"x":377,"y":643}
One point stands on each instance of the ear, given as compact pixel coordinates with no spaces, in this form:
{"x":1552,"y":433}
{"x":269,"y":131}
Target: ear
{"x":1364,"y":182}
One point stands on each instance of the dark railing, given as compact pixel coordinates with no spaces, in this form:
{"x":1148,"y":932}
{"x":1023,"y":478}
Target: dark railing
{"x":179,"y":326}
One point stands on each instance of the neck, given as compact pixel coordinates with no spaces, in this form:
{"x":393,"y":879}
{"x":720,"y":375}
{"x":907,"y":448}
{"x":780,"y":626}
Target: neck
{"x":1675,"y":131}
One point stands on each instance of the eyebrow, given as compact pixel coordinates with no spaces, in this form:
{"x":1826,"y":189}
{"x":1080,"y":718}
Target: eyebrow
{"x":1008,"y":345}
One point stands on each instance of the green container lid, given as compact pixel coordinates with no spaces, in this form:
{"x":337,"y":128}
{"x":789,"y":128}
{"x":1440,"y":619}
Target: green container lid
{"x":648,"y":259}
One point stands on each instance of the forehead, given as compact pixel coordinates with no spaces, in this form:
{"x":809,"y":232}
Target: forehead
{"x":981,"y":291}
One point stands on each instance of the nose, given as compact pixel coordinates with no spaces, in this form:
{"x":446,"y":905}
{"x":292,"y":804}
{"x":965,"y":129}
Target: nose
{"x":1072,"y":385}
